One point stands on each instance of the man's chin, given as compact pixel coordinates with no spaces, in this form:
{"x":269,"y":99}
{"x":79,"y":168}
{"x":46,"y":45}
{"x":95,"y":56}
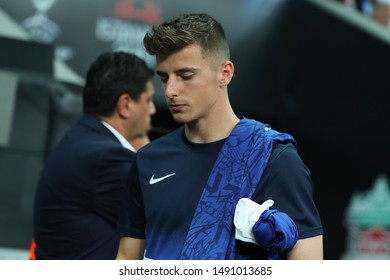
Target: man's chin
{"x":179,"y":118}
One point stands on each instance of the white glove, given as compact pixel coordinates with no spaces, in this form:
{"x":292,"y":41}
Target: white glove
{"x":246,"y":215}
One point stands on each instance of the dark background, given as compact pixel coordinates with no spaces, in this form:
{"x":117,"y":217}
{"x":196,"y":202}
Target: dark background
{"x":317,"y":73}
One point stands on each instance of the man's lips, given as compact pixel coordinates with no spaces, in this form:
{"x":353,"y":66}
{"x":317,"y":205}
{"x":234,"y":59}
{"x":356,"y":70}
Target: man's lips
{"x":176,"y":107}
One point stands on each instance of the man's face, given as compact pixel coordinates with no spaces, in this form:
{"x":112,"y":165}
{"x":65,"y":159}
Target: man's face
{"x":143,"y":110}
{"x":190,"y":84}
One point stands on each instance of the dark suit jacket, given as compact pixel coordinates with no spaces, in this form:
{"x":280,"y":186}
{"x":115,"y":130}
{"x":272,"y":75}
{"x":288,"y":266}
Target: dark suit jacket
{"x":79,"y":194}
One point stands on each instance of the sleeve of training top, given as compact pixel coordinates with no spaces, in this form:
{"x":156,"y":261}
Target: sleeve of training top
{"x":287,"y":181}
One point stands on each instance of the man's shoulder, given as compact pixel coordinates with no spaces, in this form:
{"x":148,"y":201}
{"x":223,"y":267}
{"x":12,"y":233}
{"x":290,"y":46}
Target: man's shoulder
{"x":284,"y":155}
{"x":81,"y":140}
{"x":263,"y":131}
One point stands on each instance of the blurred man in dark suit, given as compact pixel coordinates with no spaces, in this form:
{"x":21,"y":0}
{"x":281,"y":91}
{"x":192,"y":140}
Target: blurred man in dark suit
{"x":78,"y":196}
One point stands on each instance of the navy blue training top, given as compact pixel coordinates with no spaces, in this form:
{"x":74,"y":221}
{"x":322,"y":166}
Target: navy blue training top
{"x":168,"y":177}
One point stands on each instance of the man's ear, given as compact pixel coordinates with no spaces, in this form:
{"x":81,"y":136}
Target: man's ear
{"x":125,"y":105}
{"x":227,"y":70}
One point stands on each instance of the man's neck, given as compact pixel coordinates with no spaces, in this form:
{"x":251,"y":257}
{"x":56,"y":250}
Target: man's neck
{"x":211,"y":130}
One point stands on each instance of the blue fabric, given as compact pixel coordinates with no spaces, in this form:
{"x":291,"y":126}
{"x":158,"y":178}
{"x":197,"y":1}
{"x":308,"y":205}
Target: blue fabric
{"x":236,"y":174}
{"x":276,"y":232}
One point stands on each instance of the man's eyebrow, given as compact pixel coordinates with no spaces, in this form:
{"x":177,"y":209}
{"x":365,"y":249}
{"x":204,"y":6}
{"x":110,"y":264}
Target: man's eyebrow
{"x":178,"y":71}
{"x":186,"y":69}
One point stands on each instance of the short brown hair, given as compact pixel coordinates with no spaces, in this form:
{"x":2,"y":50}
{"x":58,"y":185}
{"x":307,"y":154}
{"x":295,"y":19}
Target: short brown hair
{"x":188,"y":29}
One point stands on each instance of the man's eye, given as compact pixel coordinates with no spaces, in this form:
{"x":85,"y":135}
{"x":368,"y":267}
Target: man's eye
{"x":164,"y":79}
{"x":186,"y":77}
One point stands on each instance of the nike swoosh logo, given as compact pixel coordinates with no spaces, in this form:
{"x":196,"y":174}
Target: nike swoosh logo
{"x":156,"y":180}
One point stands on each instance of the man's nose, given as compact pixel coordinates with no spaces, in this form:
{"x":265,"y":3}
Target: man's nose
{"x":171,"y":88}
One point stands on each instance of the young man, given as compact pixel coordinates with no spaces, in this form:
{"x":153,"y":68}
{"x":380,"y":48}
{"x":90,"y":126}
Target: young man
{"x":183,"y":187}
{"x":78,"y":198}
